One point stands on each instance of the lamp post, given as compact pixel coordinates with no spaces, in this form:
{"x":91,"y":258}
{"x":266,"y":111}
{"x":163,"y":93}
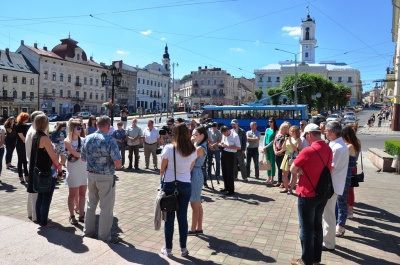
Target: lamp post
{"x":295,"y":73}
{"x":116,"y":81}
{"x":173,"y":86}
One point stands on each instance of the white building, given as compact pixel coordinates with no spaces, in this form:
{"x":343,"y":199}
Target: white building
{"x":68,"y":80}
{"x":153,"y":82}
{"x":273,"y":74}
{"x":19,"y":84}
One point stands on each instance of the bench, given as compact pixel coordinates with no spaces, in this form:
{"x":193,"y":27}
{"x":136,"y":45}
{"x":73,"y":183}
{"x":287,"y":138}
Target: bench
{"x":381,"y":159}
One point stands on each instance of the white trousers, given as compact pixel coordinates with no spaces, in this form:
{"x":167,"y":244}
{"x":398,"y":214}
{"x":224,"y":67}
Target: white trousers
{"x":31,"y":205}
{"x":329,"y":223}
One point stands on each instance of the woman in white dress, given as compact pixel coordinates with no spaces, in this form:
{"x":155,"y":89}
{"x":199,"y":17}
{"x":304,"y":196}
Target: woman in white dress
{"x":77,"y":174}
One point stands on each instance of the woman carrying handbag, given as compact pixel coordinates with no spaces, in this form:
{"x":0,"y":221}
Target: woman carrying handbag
{"x":178,"y":160}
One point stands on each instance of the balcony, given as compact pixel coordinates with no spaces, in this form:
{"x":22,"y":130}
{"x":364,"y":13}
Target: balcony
{"x":78,"y":84}
{"x":9,"y":99}
{"x":221,"y":85}
{"x":123,"y":88}
{"x":195,"y":85}
{"x":122,"y":101}
{"x":76,"y":99}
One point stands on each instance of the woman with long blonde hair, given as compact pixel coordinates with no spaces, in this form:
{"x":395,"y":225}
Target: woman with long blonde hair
{"x":76,"y":171}
{"x":291,"y":146}
{"x":278,"y":149}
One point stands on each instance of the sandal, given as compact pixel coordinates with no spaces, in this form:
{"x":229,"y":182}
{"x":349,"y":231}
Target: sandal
{"x":21,"y":180}
{"x":82,"y":218}
{"x":72,"y":220}
{"x":277,"y":184}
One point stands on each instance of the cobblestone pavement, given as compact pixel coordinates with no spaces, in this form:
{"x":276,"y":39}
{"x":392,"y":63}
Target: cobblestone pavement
{"x":257,"y":226}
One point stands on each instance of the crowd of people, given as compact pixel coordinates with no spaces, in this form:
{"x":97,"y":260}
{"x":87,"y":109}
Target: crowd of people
{"x":91,"y":156}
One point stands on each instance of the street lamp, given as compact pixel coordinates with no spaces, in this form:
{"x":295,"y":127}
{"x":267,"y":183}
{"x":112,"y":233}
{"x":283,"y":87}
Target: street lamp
{"x":295,"y":73}
{"x":173,"y":86}
{"x":116,"y":80}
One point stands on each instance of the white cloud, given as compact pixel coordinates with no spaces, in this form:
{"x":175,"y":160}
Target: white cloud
{"x":147,"y":32}
{"x":292,"y":31}
{"x":236,"y":49}
{"x":122,"y":52}
{"x":257,"y":42}
{"x":163,"y":38}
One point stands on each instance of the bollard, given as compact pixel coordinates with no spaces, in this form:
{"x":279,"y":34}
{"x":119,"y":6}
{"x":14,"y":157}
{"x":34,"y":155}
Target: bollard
{"x":395,"y":163}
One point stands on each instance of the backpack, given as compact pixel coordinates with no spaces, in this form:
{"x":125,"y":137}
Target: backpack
{"x":324,"y":189}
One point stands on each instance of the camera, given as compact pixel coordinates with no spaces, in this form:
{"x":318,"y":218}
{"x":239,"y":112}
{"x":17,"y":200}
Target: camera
{"x":162,"y":132}
{"x":221,"y":147}
{"x":287,"y":135}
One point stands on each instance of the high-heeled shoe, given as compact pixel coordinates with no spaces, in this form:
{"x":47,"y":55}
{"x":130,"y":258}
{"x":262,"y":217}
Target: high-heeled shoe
{"x":21,"y":180}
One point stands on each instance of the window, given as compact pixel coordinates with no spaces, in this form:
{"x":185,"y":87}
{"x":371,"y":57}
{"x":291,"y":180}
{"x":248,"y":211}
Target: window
{"x":23,"y":80}
{"x":97,"y":96}
{"x":340,"y":79}
{"x":143,"y":81}
{"x":46,"y":75}
{"x":97,"y":81}
{"x":102,"y":96}
{"x":61,"y":77}
{"x":84,"y":96}
{"x":23,"y":95}
{"x":78,"y":56}
{"x":54,"y":76}
{"x":5,"y":78}
{"x":85,"y":80}
{"x":147,"y":82}
{"x":147,"y":92}
{"x":61,"y":93}
{"x":20,"y":66}
{"x":215,"y":81}
{"x":77,"y":94}
{"x":138,"y":80}
{"x":91,"y":81}
{"x":69,"y":78}
{"x":90,"y":95}
{"x":208,"y":82}
{"x":330,"y":78}
{"x":202,"y":82}
{"x":307,"y":37}
{"x":15,"y":94}
{"x":151,"y":83}
{"x":277,"y":79}
{"x":77,"y":80}
{"x":69,"y":93}
{"x":15,"y":79}
{"x":349,"y":80}
{"x":10,"y":64}
{"x":306,"y":55}
{"x":269,"y":79}
{"x":31,"y":95}
{"x":53,"y":92}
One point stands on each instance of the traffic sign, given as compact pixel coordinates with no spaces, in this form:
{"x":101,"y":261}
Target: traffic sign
{"x":43,"y":105}
{"x":158,"y":104}
{"x":348,"y":95}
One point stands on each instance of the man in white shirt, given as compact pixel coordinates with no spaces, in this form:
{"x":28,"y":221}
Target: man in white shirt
{"x":231,"y":143}
{"x":151,"y":141}
{"x":253,"y":142}
{"x":340,"y":164}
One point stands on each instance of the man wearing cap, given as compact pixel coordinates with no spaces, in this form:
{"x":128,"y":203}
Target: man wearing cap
{"x":214,"y":138}
{"x":231,"y":143}
{"x":340,"y":163}
{"x":253,"y":140}
{"x":309,"y":164}
{"x":239,"y":156}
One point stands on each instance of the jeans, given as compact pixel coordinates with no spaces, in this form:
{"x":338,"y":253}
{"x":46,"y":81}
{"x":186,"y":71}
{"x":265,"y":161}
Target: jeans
{"x":122,"y":150}
{"x":21,"y":152}
{"x":43,"y":205}
{"x":1,"y":159}
{"x":184,"y":189}
{"x":10,"y":146}
{"x":252,"y":153}
{"x":311,"y":235}
{"x":217,"y":155}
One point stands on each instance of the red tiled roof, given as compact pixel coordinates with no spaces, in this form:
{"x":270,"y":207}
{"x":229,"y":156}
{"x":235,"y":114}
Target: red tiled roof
{"x":44,"y":52}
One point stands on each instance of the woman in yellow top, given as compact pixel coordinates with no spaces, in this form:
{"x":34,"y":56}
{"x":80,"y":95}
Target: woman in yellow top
{"x":291,"y":146}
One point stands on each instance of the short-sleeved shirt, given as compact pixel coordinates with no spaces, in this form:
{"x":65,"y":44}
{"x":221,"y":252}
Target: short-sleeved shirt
{"x":309,"y":161}
{"x":150,"y":137}
{"x":231,"y":140}
{"x":340,"y":164}
{"x":251,"y":134}
{"x":120,"y":135}
{"x":134,"y":132}
{"x":182,"y":164}
{"x":100,"y":151}
{"x":21,"y":128}
{"x":214,"y":137}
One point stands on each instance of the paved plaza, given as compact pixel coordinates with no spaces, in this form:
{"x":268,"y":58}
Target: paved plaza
{"x":256,"y":226}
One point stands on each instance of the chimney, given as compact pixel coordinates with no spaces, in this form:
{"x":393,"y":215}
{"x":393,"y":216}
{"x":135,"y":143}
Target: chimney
{"x":91,"y":58}
{"x":7,"y":51}
{"x":205,"y":67}
{"x":35,"y":45}
{"x":22,"y":42}
{"x":199,"y":68}
{"x":387,"y":70}
{"x":45,"y":48}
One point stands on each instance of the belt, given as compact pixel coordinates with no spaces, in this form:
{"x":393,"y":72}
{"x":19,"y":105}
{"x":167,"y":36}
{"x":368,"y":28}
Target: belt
{"x":95,"y":172}
{"x":150,"y":144}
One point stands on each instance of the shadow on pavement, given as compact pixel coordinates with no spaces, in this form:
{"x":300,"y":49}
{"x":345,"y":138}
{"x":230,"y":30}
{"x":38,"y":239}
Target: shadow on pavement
{"x":232,"y":249}
{"x":72,"y":242}
{"x":359,"y":258}
{"x":7,"y":187}
{"x":252,"y":199}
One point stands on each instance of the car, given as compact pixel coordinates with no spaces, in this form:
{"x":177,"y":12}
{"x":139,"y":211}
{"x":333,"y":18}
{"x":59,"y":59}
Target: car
{"x":67,"y":116}
{"x":192,"y":114}
{"x":85,"y":114}
{"x":349,"y":120}
{"x":54,"y":118}
{"x":324,"y":113}
{"x":317,"y":119}
{"x":349,"y":114}
{"x":334,"y":117}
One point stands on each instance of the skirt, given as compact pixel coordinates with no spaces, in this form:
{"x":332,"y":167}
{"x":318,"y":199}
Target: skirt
{"x":285,"y":163}
{"x":197,"y":184}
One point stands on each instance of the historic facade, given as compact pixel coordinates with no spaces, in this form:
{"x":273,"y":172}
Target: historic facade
{"x":272,"y":74}
{"x":68,"y":80}
{"x":19,"y":84}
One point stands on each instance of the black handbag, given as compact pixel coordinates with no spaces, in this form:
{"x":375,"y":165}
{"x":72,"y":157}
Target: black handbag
{"x":42,"y":180}
{"x":71,"y":157}
{"x":169,"y":203}
{"x":356,"y":178}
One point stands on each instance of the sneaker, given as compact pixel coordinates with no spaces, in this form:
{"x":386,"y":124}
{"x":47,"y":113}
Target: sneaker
{"x":297,"y":262}
{"x":340,"y":231}
{"x":199,"y":232}
{"x":165,"y":251}
{"x":184,"y":252}
{"x":191,"y":233}
{"x":350,"y":216}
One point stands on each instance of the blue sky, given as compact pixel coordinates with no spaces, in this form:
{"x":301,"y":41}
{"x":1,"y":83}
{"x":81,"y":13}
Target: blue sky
{"x":238,"y":36}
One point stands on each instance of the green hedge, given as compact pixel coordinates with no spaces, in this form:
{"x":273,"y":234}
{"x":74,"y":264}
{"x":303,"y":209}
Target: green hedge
{"x":392,"y":147}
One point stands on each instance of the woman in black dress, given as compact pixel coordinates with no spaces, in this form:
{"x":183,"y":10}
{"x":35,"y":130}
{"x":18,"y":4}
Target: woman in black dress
{"x":42,"y":147}
{"x":22,"y":128}
{"x":11,"y":138}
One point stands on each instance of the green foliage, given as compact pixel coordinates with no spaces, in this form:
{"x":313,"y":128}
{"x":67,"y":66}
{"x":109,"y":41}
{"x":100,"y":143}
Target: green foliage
{"x":274,"y":93}
{"x":258,"y":93}
{"x":392,"y":147}
{"x":186,"y":76}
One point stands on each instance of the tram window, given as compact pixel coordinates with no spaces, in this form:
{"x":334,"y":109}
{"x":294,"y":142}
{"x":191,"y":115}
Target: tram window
{"x":297,"y":115}
{"x":233,"y":114}
{"x":240,"y":114}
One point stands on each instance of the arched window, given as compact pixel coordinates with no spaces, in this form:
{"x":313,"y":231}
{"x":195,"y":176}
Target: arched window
{"x":15,"y":94}
{"x":306,"y":55}
{"x":307,"y":33}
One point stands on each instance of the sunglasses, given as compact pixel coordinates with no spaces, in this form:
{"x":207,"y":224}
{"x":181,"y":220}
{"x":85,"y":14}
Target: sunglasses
{"x":169,"y":124}
{"x":270,"y":121}
{"x":79,"y":128}
{"x":301,"y":124}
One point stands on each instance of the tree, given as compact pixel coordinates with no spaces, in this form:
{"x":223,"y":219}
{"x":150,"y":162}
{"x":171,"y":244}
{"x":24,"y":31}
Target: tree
{"x":258,"y":93}
{"x":275,"y":93}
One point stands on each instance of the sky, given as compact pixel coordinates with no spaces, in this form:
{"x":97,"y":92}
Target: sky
{"x":238,"y":36}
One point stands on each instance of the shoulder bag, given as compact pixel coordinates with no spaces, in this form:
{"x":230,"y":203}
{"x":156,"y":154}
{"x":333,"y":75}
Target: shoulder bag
{"x":42,"y":180}
{"x":71,"y":157}
{"x":264,"y":164}
{"x":356,"y":178}
{"x":169,"y":203}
